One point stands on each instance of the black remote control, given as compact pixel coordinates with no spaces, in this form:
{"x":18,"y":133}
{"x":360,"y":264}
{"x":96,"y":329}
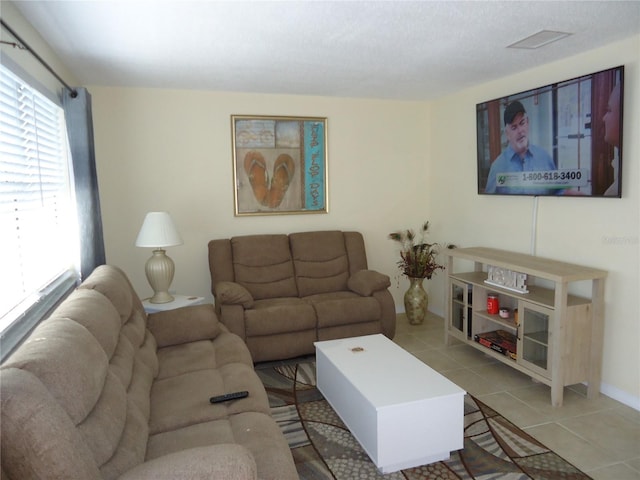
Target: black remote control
{"x":229,"y":396}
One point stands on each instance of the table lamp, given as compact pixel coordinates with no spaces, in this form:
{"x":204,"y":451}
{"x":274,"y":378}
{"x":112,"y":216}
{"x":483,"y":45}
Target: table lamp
{"x":158,"y":231}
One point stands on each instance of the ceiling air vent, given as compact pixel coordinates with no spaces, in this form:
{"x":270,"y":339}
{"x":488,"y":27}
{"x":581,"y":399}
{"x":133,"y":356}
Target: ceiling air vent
{"x":540,"y":39}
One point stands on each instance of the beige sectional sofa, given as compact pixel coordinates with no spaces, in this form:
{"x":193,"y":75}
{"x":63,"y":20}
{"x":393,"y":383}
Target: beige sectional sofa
{"x":281,"y":293}
{"x":100,"y":390}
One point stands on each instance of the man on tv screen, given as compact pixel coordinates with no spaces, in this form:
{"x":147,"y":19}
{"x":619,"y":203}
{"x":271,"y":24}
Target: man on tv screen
{"x":519,"y":156}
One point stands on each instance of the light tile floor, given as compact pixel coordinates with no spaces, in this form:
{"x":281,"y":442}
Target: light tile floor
{"x":601,"y":437}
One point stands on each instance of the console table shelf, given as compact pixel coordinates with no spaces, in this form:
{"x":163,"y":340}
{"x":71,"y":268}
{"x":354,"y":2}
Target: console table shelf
{"x":557,"y":335}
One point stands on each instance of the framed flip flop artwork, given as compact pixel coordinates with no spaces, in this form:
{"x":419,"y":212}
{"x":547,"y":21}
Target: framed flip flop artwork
{"x":279,"y":165}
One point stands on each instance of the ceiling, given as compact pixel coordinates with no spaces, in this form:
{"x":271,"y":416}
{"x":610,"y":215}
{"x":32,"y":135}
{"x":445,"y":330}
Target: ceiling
{"x":413,"y":50}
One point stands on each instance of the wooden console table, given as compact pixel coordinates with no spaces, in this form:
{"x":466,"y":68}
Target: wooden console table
{"x":557,"y":337}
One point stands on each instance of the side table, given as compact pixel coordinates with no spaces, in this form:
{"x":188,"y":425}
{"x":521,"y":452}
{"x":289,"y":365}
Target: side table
{"x":178,"y":301}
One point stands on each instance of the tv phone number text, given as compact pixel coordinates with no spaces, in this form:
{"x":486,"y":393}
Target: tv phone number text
{"x":572,"y":177}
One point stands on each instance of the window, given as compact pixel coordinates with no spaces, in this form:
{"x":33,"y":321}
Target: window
{"x":37,"y":210}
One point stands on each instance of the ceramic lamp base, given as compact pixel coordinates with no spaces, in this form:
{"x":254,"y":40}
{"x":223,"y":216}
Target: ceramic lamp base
{"x":159,"y":270}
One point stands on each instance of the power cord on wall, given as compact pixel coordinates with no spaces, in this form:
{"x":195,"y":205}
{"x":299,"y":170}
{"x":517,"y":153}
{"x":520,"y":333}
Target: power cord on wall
{"x":534,"y":226}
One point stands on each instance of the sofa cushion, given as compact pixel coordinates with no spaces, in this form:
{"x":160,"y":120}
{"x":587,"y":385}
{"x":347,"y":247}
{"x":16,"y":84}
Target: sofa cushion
{"x":114,"y":284}
{"x":255,"y":431}
{"x":206,"y":354}
{"x":228,"y":461}
{"x":263,"y":265}
{"x":184,"y":325}
{"x":354,"y":243}
{"x":135,"y":345}
{"x":103,"y":429}
{"x":183,"y":400}
{"x":278,"y":346}
{"x":278,"y":316}
{"x":321,"y":262}
{"x":39,"y":439}
{"x":348,"y":330}
{"x":102,"y":319}
{"x":69,"y":361}
{"x":344,"y":308}
{"x":132,"y":444}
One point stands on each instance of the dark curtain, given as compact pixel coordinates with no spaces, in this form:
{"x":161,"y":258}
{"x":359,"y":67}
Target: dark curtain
{"x":80,"y":129}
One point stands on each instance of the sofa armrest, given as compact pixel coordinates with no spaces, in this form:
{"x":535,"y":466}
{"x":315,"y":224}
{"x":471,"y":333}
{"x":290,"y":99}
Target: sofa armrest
{"x":388,"y":312}
{"x":228,"y":461}
{"x":184,"y":325}
{"x":367,"y":282}
{"x":232,"y":293}
{"x":232,"y":317}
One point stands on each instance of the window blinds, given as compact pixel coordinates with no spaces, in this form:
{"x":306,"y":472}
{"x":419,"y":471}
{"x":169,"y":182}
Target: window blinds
{"x":36,"y":208}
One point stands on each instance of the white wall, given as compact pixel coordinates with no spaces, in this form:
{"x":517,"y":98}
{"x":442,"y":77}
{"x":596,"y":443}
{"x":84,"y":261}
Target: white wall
{"x":171,"y":150}
{"x":601,"y":233}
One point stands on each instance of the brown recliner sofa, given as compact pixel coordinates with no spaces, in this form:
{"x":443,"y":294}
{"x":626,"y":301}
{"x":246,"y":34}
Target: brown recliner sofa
{"x":100,"y":390}
{"x":281,"y":293}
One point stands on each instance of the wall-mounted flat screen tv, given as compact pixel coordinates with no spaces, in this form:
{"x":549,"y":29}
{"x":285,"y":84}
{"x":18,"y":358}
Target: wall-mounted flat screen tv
{"x":560,"y":139}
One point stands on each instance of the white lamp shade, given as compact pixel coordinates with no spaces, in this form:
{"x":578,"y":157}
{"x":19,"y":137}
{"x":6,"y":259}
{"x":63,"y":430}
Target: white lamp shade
{"x":158,"y":230}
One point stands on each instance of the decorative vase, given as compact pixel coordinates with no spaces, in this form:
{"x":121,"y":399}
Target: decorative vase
{"x":416,"y":301}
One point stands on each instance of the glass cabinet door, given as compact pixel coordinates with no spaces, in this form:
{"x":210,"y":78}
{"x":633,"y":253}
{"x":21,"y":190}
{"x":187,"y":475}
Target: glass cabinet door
{"x":535,"y":336}
{"x":460,"y":307}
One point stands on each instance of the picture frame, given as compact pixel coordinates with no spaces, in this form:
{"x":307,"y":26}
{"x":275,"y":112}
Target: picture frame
{"x":279,"y":164}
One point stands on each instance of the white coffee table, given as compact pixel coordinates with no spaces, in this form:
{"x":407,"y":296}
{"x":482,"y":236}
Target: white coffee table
{"x":403,"y":413}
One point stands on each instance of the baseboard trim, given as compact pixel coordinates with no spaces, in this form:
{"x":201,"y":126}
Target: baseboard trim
{"x":621,"y":396}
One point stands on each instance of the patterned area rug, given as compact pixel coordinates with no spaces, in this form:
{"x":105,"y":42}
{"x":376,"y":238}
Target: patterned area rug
{"x":323,"y":448}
